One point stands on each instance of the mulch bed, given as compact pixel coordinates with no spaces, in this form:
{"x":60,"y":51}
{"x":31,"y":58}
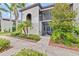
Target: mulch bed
{"x":63,"y":46}
{"x":5,"y":49}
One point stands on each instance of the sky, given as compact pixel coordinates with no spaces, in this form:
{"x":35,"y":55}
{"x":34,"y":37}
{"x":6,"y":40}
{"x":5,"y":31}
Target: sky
{"x":7,"y":14}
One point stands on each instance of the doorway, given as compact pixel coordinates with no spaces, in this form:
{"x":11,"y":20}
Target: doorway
{"x":46,"y":29}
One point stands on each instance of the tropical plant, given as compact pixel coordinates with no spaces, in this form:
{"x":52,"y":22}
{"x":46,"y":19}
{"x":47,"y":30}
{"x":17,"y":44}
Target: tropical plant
{"x":8,"y":8}
{"x":13,"y":8}
{"x":4,"y":43}
{"x":63,"y":23}
{"x":24,"y":26}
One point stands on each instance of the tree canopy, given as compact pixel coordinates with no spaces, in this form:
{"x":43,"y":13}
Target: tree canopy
{"x":63,"y":24}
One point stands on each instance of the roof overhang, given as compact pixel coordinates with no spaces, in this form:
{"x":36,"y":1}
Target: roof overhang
{"x":33,"y":5}
{"x":46,"y":9}
{"x":38,"y":4}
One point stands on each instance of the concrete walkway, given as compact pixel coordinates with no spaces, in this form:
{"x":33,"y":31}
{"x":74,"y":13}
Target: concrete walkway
{"x":41,"y":46}
{"x":17,"y":45}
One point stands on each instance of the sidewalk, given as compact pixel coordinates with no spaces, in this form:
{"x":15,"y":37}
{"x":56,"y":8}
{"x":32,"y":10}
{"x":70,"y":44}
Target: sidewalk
{"x":41,"y":46}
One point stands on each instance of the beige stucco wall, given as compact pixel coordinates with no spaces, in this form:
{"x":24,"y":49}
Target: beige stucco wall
{"x":34,"y":19}
{"x":6,"y":25}
{"x":76,"y":9}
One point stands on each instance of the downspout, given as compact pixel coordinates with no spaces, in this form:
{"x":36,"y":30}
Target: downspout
{"x":21,"y":17}
{"x":0,"y":18}
{"x":39,"y":22}
{"x":11,"y":29}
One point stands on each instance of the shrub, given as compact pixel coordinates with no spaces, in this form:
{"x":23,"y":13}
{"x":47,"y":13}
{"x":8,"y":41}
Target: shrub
{"x":33,"y":37}
{"x":30,"y":36}
{"x":4,"y":43}
{"x":22,"y":35}
{"x":15,"y":33}
{"x":70,"y":37}
{"x":63,"y":24}
{"x":67,"y":42}
{"x":77,"y":41}
{"x":66,"y":38}
{"x":29,"y":52}
{"x":57,"y":36}
{"x":76,"y":30}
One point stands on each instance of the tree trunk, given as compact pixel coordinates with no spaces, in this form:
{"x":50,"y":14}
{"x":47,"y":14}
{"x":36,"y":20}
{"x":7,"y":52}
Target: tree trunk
{"x":16,"y":15}
{"x":11,"y":20}
{"x":24,"y":31}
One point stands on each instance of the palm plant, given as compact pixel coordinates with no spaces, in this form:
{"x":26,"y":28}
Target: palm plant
{"x":9,"y":8}
{"x":2,"y":10}
{"x":24,"y":26}
{"x":14,"y":8}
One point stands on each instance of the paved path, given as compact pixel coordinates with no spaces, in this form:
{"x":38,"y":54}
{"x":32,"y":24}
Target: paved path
{"x":17,"y":45}
{"x":41,"y":46}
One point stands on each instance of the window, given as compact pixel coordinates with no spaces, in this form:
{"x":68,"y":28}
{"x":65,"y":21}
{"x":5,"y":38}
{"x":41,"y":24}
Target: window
{"x":46,"y":15}
{"x":14,"y":27}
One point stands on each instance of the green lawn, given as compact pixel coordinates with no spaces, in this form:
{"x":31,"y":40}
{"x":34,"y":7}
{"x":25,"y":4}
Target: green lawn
{"x":4,"y":33}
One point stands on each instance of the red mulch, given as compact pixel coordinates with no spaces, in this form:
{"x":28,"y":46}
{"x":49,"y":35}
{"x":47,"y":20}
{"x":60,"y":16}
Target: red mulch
{"x":63,"y":46}
{"x":5,"y":49}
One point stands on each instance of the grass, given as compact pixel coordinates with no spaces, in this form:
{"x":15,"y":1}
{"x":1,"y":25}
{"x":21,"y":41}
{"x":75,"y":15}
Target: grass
{"x":29,"y":52}
{"x":4,"y":33}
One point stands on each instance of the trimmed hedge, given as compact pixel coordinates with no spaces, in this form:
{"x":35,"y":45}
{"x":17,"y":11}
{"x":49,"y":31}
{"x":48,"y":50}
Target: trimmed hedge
{"x":29,"y":52}
{"x":33,"y":37}
{"x":29,"y":37}
{"x":15,"y":33}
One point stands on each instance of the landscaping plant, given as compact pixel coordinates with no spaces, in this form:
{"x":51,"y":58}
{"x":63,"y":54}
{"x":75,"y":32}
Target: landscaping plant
{"x":15,"y":33}
{"x":4,"y":44}
{"x":31,"y":37}
{"x":24,"y":27}
{"x":22,"y":31}
{"x":13,"y":9}
{"x":29,"y":52}
{"x":63,"y":25}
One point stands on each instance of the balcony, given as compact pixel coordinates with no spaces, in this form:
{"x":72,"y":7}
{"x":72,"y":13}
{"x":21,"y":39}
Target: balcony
{"x":45,"y":16}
